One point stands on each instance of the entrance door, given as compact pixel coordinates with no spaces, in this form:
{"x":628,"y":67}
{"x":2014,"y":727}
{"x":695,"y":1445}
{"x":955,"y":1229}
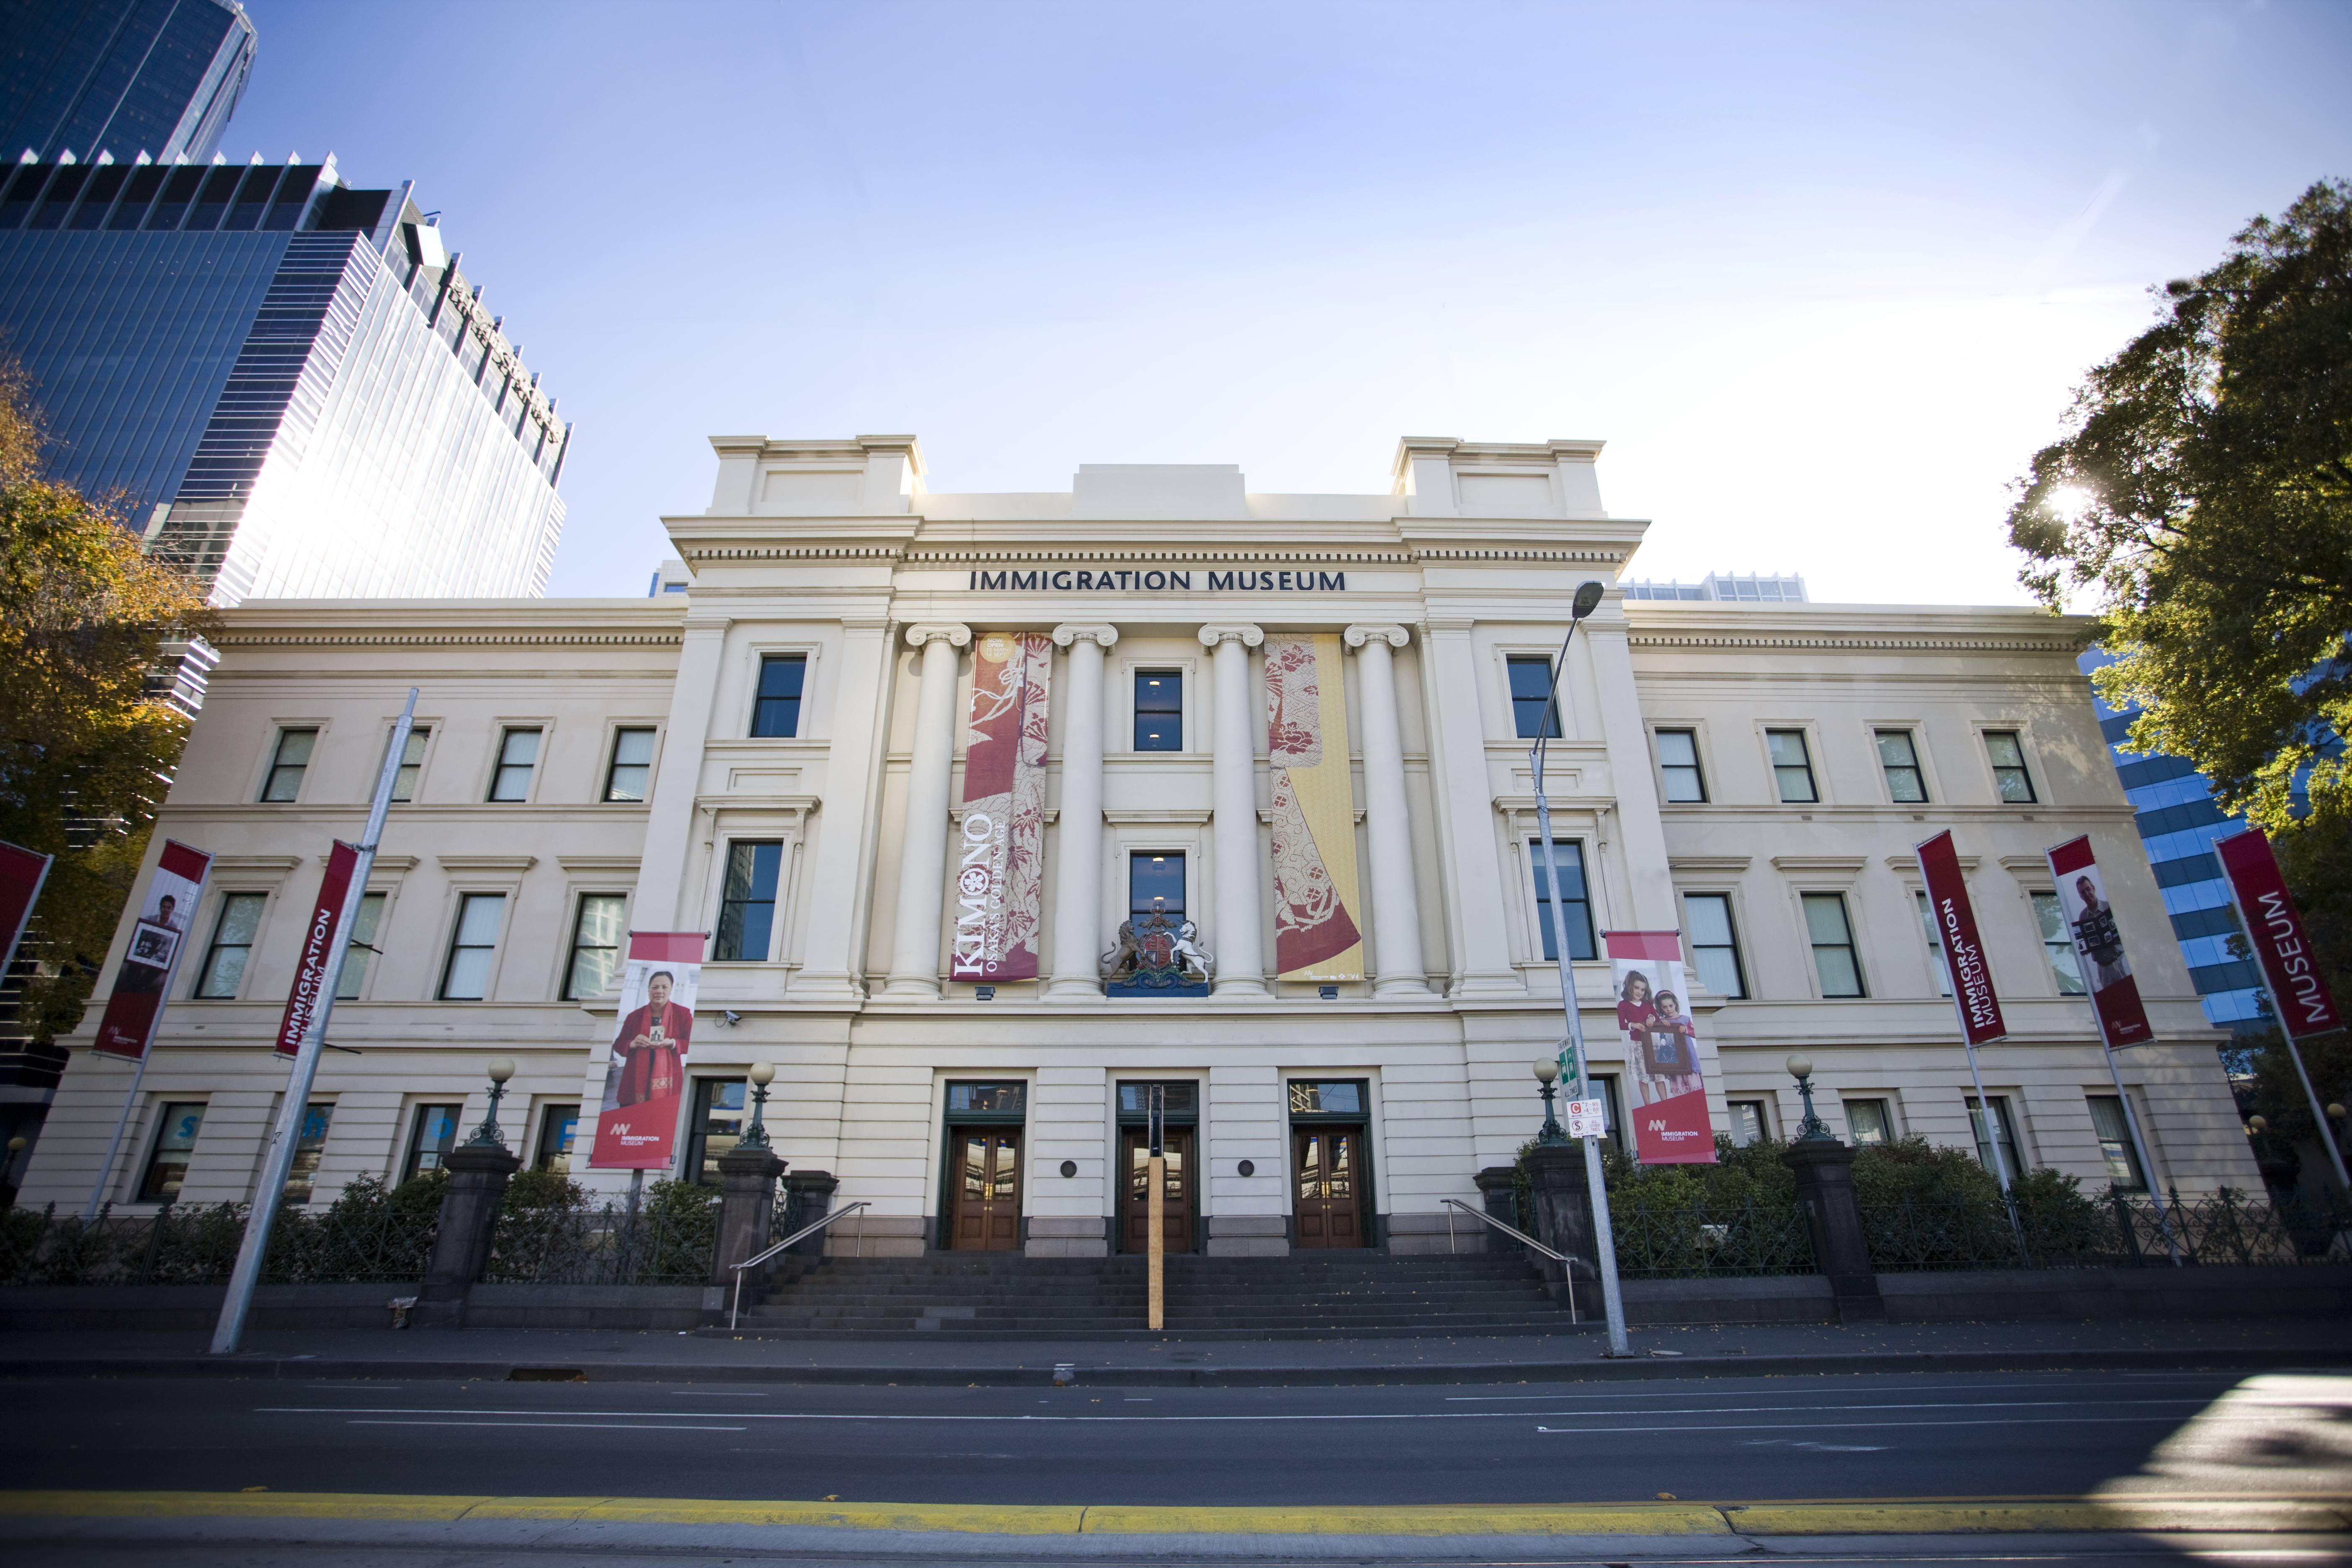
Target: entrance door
{"x":1329,"y":1162}
{"x":987,"y":1189}
{"x":1134,"y":1194}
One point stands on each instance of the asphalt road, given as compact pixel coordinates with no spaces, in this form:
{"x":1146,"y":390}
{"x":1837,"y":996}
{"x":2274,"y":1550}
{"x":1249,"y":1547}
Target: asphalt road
{"x":1908,"y":1435}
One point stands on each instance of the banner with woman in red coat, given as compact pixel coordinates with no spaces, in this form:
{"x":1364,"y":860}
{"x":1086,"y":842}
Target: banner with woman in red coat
{"x":644,"y":1082}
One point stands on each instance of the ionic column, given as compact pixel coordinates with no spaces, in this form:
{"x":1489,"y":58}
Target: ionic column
{"x":1077,"y":866}
{"x":1238,"y":939}
{"x":1396,"y":908}
{"x":923,"y":844}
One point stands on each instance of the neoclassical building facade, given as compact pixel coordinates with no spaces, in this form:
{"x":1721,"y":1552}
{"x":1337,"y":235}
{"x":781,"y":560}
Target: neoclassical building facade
{"x":781,"y":756}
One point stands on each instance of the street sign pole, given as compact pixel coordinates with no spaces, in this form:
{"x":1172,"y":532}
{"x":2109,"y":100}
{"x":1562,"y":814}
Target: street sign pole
{"x":279,"y":1161}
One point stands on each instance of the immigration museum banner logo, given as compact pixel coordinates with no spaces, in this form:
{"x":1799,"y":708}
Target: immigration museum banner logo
{"x":1314,"y":899}
{"x":1000,"y":881}
{"x":1653,"y":1018}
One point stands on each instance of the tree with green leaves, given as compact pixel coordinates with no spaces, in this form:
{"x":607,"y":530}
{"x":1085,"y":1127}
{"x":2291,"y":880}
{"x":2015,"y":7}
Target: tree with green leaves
{"x":84,"y":753}
{"x":2202,"y":502}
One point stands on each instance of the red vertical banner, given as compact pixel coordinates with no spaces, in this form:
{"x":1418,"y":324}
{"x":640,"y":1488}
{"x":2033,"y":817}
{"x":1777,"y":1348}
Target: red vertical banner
{"x":157,"y":935}
{"x":318,"y":946}
{"x":1956,"y":924}
{"x":1000,"y":880}
{"x":645,"y":1083}
{"x":22,"y":872}
{"x":2299,"y":993}
{"x":2099,"y":943}
{"x":1668,"y":1102}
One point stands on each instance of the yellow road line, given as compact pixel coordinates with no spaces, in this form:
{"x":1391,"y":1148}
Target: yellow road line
{"x":1908,"y":1516}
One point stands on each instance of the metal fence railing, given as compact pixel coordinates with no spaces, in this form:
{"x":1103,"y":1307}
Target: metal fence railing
{"x":368,"y":1235}
{"x":1914,"y":1231}
{"x":668,"y":1239}
{"x":1682,"y":1237}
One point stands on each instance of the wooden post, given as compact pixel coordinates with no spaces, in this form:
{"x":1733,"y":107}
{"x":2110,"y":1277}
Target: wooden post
{"x":1158,"y":1176}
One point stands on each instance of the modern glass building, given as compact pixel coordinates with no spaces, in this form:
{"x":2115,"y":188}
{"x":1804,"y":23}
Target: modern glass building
{"x":1727,"y":587}
{"x":288,"y":384}
{"x":2179,"y":820}
{"x":162,"y":74}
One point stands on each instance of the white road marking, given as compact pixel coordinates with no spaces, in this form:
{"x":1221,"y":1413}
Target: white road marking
{"x":580,"y":1425}
{"x":2042,"y":1384}
{"x":1858,"y":1425}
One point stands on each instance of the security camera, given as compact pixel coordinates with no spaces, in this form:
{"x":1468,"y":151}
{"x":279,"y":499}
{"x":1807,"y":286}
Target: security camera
{"x":731,"y":1016}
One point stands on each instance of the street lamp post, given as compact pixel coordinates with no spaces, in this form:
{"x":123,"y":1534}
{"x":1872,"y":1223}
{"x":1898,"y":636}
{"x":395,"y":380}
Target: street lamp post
{"x":1813,"y":1129}
{"x":755,"y":1136}
{"x":1547,"y":1074}
{"x":1587,"y":599}
{"x":487,"y":1136}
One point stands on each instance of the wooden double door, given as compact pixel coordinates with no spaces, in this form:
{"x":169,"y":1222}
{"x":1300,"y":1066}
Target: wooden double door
{"x":986,"y":1212}
{"x":1176,"y":1190}
{"x":1329,"y":1165}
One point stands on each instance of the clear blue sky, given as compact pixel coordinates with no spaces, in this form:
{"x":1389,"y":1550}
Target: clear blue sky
{"x":1822,"y":276}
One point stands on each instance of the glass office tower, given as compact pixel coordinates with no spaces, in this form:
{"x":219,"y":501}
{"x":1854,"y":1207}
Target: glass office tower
{"x":163,"y":76}
{"x":287,"y":385}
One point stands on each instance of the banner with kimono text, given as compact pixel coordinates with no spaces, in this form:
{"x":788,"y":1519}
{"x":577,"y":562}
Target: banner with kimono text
{"x":2099,"y":945}
{"x":318,"y":947}
{"x":166,"y":914}
{"x":1667,"y":1098}
{"x":1315,"y":936}
{"x":644,"y":1082}
{"x":2300,"y":999}
{"x":1000,"y":864}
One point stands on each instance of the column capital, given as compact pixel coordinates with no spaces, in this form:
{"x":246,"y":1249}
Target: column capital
{"x":1357,"y":636}
{"x":1073,"y":631}
{"x":922,"y":632}
{"x":1242,"y":632}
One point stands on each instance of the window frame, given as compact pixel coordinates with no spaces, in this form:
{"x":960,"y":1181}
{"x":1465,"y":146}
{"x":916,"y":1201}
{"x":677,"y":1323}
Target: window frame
{"x":762,"y":659}
{"x":273,"y":762}
{"x":2122,"y":1142}
{"x":566,"y":989}
{"x":698,"y":1121}
{"x":420,"y":740}
{"x":1917,"y":767}
{"x":1886,"y":1124}
{"x":1853,"y":945}
{"x":2015,"y":734}
{"x":1731,"y":1113}
{"x":2063,"y":943}
{"x":147,"y":1170}
{"x":613,"y":763}
{"x":1136,"y":675}
{"x":2011,"y":1134}
{"x":775,"y":904}
{"x":498,"y":763}
{"x":222,"y":904}
{"x":1939,"y":967}
{"x":1731,"y":924}
{"x":1773,"y":765}
{"x":1539,"y":890}
{"x":542,"y":1154}
{"x":367,"y":951}
{"x":413,"y":1149}
{"x":1552,"y":715}
{"x":296,"y":1174}
{"x":1184,"y":880}
{"x":465,"y":899}
{"x":1697,"y":766}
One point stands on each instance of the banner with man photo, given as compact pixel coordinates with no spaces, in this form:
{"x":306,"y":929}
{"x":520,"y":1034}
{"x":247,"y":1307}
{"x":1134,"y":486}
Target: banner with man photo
{"x":644,"y":1082}
{"x":1001,"y":854}
{"x":1667,"y":1102}
{"x":157,"y":935}
{"x":2099,"y":943}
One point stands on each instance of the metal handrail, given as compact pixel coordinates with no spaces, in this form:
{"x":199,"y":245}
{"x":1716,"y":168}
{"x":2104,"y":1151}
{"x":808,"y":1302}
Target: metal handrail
{"x":735,"y":1310}
{"x":1511,"y":1230}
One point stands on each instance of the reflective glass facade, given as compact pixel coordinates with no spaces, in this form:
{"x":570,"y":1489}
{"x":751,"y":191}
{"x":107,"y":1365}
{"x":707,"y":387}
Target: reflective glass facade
{"x":288,"y":382}
{"x":159,"y":77}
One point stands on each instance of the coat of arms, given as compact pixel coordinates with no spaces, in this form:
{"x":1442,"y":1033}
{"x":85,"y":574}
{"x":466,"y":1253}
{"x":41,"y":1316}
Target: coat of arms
{"x":1158,"y":955}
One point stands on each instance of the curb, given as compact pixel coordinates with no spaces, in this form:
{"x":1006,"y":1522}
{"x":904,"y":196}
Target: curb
{"x":1896,"y":1516}
{"x":1640,"y":1369}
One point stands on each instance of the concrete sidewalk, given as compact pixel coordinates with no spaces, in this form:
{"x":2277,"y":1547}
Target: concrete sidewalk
{"x":1570,"y":1356}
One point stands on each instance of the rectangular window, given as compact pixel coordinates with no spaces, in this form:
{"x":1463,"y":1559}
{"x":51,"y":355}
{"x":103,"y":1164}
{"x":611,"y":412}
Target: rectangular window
{"x":1678,"y":765}
{"x":596,"y":962}
{"x":1340,"y":1097}
{"x":1936,"y":960}
{"x":412,"y":763}
{"x":746,"y":903}
{"x":1602,"y":1087}
{"x":1569,"y":854}
{"x":1898,"y":758}
{"x":2010,"y":778}
{"x":1748,"y":1124}
{"x":1833,"y":940}
{"x":1867,"y":1122}
{"x":1792,"y":766}
{"x":2116,"y":1144}
{"x":518,"y":757}
{"x":176,"y":1140}
{"x":776,"y":711}
{"x":232,"y":944}
{"x":430,"y":1139}
{"x":363,"y":948}
{"x":1158,"y":710}
{"x":633,"y":765}
{"x":717,"y":1126}
{"x":309,"y":1147}
{"x":988,"y":1099}
{"x":2066,"y":964}
{"x":558,"y":1125}
{"x":467,"y":976}
{"x":1715,"y":946}
{"x":1155,"y":881}
{"x":1532,"y":711}
{"x":288,"y":763}
{"x":2005,"y":1129}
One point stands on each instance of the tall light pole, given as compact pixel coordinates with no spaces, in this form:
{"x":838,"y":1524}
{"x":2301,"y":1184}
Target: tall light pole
{"x":1604,"y":1239}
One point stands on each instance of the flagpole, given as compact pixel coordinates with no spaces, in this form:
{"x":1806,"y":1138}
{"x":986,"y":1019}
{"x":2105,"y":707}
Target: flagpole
{"x":279,"y":1161}
{"x":114,"y":1144}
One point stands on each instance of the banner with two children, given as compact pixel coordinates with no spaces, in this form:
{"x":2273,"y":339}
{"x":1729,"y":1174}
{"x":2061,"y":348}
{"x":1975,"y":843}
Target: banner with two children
{"x":1666,"y":1100}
